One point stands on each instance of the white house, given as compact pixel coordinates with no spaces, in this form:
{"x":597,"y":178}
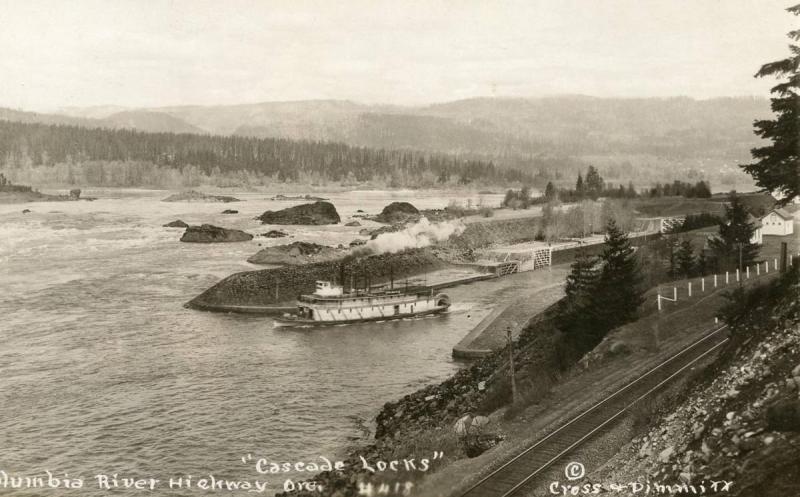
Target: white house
{"x":777,"y":222}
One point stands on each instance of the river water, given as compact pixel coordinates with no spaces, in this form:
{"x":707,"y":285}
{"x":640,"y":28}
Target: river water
{"x":102,"y":370}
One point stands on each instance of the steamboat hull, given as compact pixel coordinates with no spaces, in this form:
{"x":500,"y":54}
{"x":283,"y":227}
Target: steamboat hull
{"x":296,"y":321}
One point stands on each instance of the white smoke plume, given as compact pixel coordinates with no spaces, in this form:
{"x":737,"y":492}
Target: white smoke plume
{"x":422,"y":234}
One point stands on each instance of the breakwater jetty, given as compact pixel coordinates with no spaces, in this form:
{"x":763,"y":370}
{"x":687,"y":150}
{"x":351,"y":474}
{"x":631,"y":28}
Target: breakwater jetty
{"x":265,"y":290}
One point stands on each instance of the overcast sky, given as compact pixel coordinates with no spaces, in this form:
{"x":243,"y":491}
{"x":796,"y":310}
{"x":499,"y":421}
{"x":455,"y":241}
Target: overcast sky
{"x":57,"y":53}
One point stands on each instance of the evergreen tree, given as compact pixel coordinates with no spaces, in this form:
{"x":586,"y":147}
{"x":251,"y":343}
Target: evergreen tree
{"x":580,"y":280}
{"x":685,"y":259}
{"x":550,"y":191}
{"x":574,"y":313}
{"x":703,"y":263}
{"x":580,"y":188}
{"x":777,"y":166}
{"x":594,"y":183}
{"x":701,"y":190}
{"x":617,"y":294}
{"x":631,"y":192}
{"x":734,"y":241}
{"x":673,"y":261}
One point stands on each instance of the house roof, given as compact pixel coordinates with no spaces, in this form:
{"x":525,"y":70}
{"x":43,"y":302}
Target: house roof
{"x":781,"y":212}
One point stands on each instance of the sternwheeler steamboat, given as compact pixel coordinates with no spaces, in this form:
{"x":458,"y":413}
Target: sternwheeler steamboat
{"x":330,"y":304}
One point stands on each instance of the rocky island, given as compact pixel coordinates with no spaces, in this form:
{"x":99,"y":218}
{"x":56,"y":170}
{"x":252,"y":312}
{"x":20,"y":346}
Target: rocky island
{"x":295,"y":253}
{"x":195,"y":196}
{"x":16,"y":194}
{"x":176,"y":224}
{"x":398,"y":212}
{"x":207,"y":233}
{"x":284,"y":198}
{"x":315,"y":214}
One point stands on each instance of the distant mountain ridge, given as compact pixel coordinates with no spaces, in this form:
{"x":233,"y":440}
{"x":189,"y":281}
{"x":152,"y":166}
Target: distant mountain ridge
{"x":676,"y":132}
{"x":152,"y":122}
{"x":571,"y":125}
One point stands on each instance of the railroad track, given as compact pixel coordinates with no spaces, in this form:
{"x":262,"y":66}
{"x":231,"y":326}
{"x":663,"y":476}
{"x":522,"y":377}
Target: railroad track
{"x":515,"y":475}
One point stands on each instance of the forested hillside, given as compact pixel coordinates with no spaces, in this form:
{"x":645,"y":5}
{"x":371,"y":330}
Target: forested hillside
{"x":128,"y":158}
{"x":572,"y":125}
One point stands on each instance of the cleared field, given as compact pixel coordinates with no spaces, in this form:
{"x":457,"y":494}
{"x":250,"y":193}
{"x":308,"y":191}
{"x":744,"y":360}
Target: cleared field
{"x":678,"y":206}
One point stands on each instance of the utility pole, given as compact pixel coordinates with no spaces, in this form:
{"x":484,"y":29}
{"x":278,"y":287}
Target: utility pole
{"x":511,"y":365}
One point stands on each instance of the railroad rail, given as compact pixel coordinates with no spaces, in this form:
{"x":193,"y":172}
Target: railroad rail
{"x":518,"y":473}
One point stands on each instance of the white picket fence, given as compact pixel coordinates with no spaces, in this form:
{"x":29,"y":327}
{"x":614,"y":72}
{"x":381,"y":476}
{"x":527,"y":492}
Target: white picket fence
{"x":721,"y":280}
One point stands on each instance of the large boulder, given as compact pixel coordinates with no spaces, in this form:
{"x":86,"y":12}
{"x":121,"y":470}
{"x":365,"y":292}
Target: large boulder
{"x":295,"y":253}
{"x":397,"y":212}
{"x":307,"y":214}
{"x":207,"y":233}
